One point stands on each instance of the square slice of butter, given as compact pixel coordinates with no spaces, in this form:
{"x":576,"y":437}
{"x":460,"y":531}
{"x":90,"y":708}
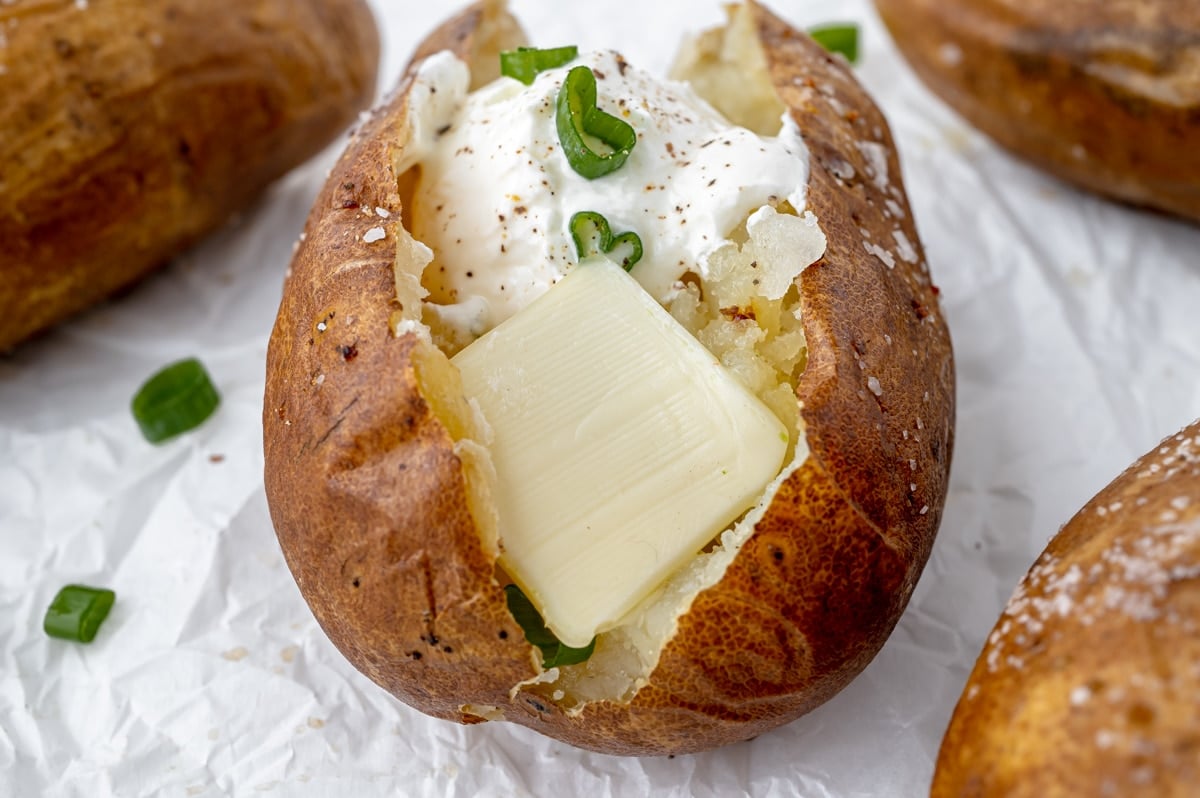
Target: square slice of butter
{"x":621,"y":446}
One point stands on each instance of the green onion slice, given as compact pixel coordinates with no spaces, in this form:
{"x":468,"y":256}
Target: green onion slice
{"x":525,"y":63}
{"x":593,"y":236}
{"x":554,"y":653}
{"x":838,"y":38}
{"x":578,"y":116}
{"x":175,"y":400}
{"x":77,"y":612}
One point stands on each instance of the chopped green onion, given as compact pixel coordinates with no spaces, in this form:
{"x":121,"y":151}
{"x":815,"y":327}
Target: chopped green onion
{"x":554,"y":653}
{"x":77,"y":612}
{"x":593,"y":236}
{"x":525,"y":63}
{"x":577,"y":116}
{"x":176,"y":399}
{"x":839,"y":38}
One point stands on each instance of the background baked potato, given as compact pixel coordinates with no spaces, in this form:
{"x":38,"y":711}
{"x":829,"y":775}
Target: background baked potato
{"x":373,"y":499}
{"x":1103,"y":93}
{"x":131,"y":129}
{"x":1088,"y":685}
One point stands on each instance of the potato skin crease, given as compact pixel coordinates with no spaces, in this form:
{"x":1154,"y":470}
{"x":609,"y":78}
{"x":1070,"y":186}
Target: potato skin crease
{"x":132,"y":129}
{"x":1088,"y":684}
{"x":370,"y":505}
{"x":1102,"y":93}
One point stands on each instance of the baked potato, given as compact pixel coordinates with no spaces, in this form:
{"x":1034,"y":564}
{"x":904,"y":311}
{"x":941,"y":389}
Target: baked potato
{"x":1088,"y":685}
{"x":131,"y":129}
{"x":378,"y":471}
{"x":1102,"y":93}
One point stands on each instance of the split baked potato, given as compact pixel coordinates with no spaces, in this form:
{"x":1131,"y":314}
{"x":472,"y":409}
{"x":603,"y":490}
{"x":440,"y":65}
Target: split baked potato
{"x":1102,"y":93}
{"x":378,"y":472}
{"x":131,"y":129}
{"x":1089,"y":683}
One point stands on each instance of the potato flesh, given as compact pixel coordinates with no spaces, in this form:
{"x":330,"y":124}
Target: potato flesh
{"x":728,"y":68}
{"x":769,"y":361}
{"x":759,"y":338}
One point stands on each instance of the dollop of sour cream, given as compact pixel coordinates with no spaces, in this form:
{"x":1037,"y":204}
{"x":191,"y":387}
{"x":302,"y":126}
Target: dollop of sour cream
{"x":496,"y":192}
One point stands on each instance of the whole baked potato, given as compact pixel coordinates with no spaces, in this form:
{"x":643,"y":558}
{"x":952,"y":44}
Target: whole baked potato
{"x":383,"y":481}
{"x":1090,"y":682}
{"x":1103,"y":93}
{"x":131,"y":129}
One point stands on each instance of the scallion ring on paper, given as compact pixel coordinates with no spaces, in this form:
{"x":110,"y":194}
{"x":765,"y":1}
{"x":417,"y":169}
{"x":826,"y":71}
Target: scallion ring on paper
{"x":593,"y":236}
{"x":178,"y":398}
{"x":838,"y":38}
{"x":525,"y":63}
{"x":77,"y":612}
{"x":578,"y":116}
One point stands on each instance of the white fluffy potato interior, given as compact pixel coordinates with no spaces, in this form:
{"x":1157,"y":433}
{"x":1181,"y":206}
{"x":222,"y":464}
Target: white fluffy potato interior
{"x":738,"y":298}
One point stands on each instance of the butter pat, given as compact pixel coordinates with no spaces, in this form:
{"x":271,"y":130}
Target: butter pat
{"x":621,"y":446}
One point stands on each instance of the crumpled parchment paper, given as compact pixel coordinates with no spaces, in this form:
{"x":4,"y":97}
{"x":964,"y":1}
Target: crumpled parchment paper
{"x":1078,"y":347}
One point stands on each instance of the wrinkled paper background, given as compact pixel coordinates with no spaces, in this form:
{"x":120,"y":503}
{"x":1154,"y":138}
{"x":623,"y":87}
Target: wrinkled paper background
{"x":1078,"y":348}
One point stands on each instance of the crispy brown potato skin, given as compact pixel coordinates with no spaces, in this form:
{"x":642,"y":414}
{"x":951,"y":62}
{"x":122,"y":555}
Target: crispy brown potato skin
{"x":370,"y":506}
{"x":132,"y":128}
{"x":1102,"y":93}
{"x":1089,"y":682}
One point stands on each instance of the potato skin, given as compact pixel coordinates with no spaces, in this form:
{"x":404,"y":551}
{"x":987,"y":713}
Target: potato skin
{"x":133,"y":128}
{"x":1088,"y":685}
{"x":1102,"y":93}
{"x":370,"y":505}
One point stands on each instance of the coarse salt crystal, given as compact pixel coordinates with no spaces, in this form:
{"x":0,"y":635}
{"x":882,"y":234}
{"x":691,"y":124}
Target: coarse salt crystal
{"x":873,"y":384}
{"x":374,"y":234}
{"x":881,"y":253}
{"x":382,"y":213}
{"x":876,"y":162}
{"x":904,"y":247}
{"x":950,"y":54}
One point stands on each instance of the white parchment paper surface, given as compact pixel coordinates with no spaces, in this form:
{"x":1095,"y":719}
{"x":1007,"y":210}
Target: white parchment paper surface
{"x":1075,"y":324}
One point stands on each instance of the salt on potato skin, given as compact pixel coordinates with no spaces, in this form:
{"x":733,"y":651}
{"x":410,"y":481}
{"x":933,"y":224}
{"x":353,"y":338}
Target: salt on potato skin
{"x":1090,"y":682}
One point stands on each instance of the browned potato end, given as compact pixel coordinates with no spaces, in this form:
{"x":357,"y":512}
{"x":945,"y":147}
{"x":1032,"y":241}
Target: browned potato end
{"x":1102,"y":93}
{"x":133,"y":129}
{"x":1090,"y":682}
